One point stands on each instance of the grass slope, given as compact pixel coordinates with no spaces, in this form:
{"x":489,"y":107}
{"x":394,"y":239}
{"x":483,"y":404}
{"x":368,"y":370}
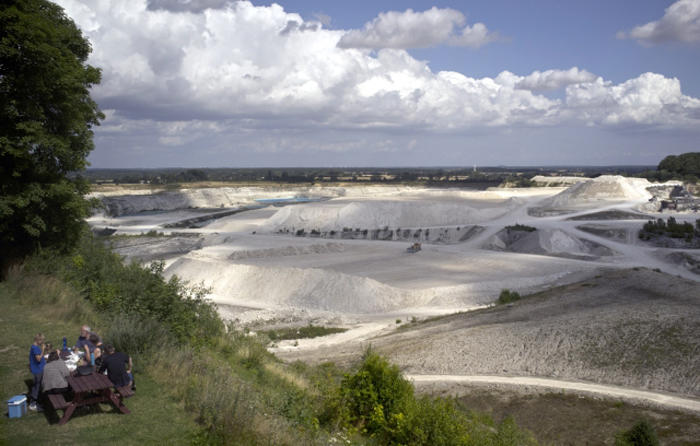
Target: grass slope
{"x":155,"y":418}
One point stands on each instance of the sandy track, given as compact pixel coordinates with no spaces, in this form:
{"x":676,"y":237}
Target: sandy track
{"x":661,"y":399}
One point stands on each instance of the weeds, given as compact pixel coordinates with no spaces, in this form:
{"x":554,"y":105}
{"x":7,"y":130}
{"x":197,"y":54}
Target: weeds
{"x":507,"y":296}
{"x":309,"y":331}
{"x":519,"y":227}
{"x":35,"y":289}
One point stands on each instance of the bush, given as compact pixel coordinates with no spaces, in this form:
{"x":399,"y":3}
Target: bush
{"x":115,"y":288}
{"x":671,"y":228}
{"x":378,"y":401}
{"x":507,"y":296}
{"x":641,"y":434}
{"x":375,"y":396}
{"x":519,"y":227}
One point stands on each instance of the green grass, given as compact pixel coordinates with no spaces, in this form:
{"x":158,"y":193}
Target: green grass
{"x":308,"y":331}
{"x":558,"y":418}
{"x":155,"y":417}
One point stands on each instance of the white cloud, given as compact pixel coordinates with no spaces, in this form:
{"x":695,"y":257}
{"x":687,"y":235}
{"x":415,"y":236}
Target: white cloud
{"x":409,"y":29}
{"x":187,"y":5}
{"x":680,"y":23}
{"x":554,"y":79}
{"x":650,"y":99}
{"x":235,"y":67}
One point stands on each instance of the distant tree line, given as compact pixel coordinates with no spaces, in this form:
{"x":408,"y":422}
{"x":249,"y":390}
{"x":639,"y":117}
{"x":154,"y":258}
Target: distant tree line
{"x":429,"y":176}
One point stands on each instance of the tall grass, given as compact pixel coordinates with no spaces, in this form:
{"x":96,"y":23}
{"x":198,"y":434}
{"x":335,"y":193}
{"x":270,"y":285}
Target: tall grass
{"x":232,"y":407}
{"x":36,"y":289}
{"x":139,"y":336}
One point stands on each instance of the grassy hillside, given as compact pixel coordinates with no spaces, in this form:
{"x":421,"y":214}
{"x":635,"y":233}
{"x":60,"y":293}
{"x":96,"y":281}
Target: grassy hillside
{"x":200,"y":382}
{"x":33,"y":304}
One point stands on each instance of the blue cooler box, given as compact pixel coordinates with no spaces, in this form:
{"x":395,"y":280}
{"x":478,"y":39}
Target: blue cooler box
{"x":17,"y":406}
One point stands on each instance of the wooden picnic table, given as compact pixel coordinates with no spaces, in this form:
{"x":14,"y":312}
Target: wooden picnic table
{"x":87,"y":390}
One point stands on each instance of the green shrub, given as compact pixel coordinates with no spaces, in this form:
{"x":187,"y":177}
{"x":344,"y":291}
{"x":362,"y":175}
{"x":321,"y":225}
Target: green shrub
{"x":431,"y":421}
{"x":641,"y":434}
{"x":115,"y":288}
{"x":376,"y":400}
{"x":375,"y":397}
{"x":507,"y":296}
{"x":670,"y":228}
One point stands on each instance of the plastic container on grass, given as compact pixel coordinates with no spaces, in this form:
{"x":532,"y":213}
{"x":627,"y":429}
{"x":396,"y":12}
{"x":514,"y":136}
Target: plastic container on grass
{"x":17,"y":406}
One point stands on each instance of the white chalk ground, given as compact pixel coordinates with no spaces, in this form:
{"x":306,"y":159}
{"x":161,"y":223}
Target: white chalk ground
{"x":256,"y":274}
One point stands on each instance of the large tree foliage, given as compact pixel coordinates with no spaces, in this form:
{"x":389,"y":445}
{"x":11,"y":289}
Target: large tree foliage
{"x":685,"y":164}
{"x":46,"y":116}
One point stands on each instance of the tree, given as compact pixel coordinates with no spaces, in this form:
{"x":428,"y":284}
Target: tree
{"x":46,"y":117}
{"x":684,"y":164}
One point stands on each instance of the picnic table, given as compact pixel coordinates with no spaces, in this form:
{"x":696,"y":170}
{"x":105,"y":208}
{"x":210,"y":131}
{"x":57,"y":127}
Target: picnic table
{"x":87,"y":390}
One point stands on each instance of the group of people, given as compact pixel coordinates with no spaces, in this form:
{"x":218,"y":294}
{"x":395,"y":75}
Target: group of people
{"x":50,"y":376}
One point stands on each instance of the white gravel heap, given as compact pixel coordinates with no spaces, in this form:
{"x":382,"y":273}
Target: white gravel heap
{"x":604,"y":188}
{"x":374,"y":214}
{"x":547,"y":180}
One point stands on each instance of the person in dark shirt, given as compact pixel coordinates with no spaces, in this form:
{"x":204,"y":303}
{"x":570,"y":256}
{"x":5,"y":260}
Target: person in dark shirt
{"x":116,"y":365}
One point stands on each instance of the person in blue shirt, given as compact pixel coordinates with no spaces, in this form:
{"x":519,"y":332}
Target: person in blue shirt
{"x":36,"y":365}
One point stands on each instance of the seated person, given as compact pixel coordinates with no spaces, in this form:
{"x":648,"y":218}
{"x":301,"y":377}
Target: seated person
{"x":55,"y":374}
{"x":83,"y":343}
{"x":115,"y":363}
{"x":95,"y":348}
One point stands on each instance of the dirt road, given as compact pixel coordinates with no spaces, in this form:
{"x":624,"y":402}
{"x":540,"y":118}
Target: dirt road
{"x":599,"y":389}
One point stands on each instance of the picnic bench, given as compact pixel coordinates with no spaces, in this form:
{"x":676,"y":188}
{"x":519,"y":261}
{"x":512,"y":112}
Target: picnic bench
{"x":58,"y":401}
{"x":125,"y":392}
{"x":88,"y":390}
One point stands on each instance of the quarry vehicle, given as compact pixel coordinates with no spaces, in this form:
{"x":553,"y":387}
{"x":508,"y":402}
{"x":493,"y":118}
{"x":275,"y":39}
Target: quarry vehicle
{"x":413,"y":248}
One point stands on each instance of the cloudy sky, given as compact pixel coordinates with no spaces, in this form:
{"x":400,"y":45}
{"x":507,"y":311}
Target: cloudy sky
{"x":212,"y":83}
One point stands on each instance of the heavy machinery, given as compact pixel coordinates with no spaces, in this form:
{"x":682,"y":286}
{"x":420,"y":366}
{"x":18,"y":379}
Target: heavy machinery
{"x":414,"y":248}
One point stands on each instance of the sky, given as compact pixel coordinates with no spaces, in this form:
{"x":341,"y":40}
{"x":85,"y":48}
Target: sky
{"x":222,"y":83}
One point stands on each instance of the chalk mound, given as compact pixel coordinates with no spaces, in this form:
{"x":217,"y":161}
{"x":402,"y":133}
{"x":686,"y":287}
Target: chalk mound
{"x":373,"y":214}
{"x":590,"y":193}
{"x":287,"y":251}
{"x":202,"y":198}
{"x":315,"y":289}
{"x":273,"y":287}
{"x":552,"y":242}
